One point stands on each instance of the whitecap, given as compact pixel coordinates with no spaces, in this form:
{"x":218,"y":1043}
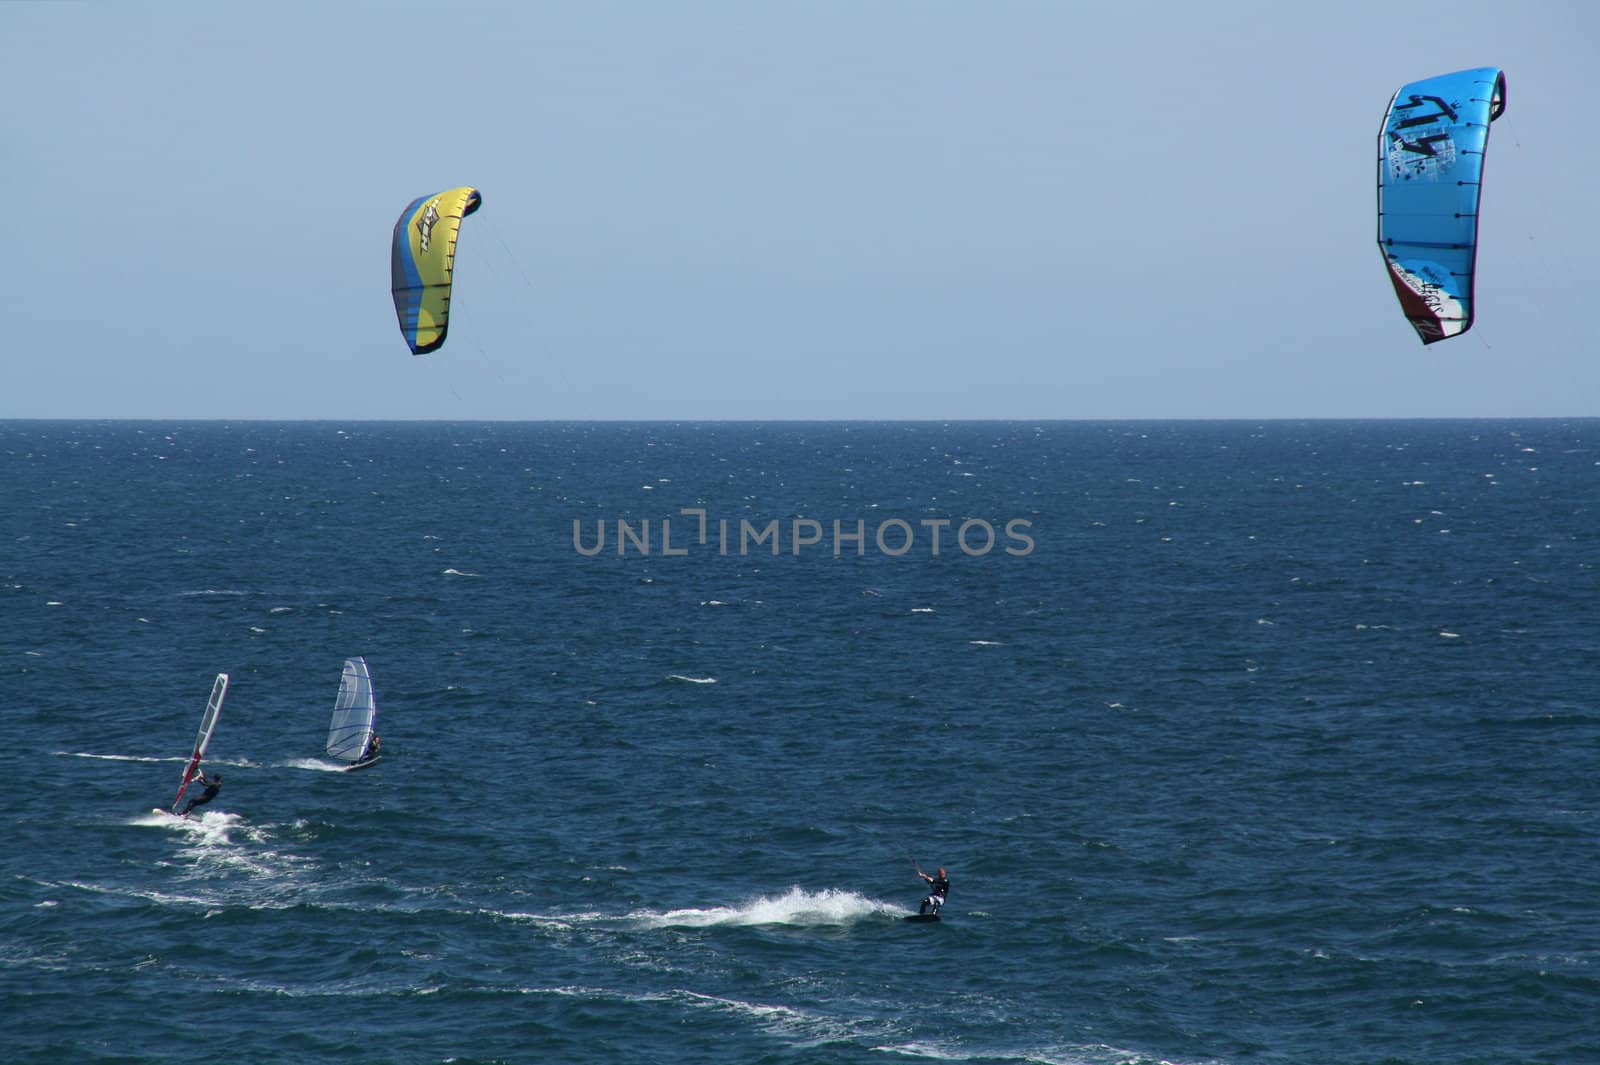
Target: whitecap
{"x":162,"y":897}
{"x":691,"y":680}
{"x":755,"y":1010}
{"x":923,"y":1050}
{"x":159,"y":817}
{"x":796,"y":906}
{"x":314,"y":764}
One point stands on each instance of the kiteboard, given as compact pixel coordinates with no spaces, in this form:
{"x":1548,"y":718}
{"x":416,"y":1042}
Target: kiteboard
{"x":921,"y":918}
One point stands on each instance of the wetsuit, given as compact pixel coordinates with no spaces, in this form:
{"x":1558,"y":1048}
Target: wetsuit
{"x":212,"y":787}
{"x":938,"y":890}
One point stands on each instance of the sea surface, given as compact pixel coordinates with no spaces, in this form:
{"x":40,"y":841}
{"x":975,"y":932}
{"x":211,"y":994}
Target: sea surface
{"x":1242,"y":742}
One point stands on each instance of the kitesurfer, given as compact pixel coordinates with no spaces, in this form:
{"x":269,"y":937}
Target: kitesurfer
{"x":938,"y":890}
{"x":212,"y":786}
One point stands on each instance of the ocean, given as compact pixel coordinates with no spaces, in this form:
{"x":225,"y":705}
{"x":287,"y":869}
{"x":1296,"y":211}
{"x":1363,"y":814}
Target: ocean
{"x":1241,"y":742}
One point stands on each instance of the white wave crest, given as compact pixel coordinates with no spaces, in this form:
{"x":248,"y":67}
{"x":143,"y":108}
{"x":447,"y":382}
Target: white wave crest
{"x":206,"y":826}
{"x":316,"y":765}
{"x":795,"y":906}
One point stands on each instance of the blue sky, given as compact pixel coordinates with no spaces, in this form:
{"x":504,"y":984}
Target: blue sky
{"x":721,"y":210}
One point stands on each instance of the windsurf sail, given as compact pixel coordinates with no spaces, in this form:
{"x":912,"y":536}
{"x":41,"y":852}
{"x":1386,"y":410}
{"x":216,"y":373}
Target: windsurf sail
{"x":1430,"y":174}
{"x":353,"y":713}
{"x":422,"y":264}
{"x":208,"y":724}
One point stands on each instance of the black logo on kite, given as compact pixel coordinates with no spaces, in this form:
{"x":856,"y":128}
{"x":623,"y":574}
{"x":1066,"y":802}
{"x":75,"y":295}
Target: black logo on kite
{"x":425,"y":223}
{"x":1445,"y":111}
{"x":1422,"y":145}
{"x":1419,"y":147}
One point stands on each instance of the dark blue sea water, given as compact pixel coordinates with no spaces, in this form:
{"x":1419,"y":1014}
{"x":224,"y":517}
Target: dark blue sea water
{"x":1262,"y":742}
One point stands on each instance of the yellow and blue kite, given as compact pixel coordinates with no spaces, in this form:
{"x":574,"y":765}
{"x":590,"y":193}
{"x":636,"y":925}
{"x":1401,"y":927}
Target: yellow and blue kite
{"x":423,"y":262}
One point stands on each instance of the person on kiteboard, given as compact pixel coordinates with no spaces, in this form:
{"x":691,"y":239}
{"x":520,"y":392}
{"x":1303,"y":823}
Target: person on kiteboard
{"x":212,"y":786}
{"x":938,"y":890}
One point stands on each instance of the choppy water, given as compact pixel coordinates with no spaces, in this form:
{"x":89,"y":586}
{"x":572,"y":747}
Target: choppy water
{"x":1264,"y":743}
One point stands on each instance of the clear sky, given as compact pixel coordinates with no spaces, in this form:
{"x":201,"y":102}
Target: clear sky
{"x":732,"y":210}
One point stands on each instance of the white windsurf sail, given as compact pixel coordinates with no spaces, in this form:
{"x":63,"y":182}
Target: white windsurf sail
{"x":208,"y":724}
{"x":353,"y":713}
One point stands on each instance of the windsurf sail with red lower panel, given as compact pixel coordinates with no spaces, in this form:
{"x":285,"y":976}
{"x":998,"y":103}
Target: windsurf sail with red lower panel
{"x":208,"y":724}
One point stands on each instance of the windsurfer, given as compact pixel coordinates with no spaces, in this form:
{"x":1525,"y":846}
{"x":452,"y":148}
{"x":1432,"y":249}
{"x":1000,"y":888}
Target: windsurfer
{"x":212,"y":786}
{"x":372,"y":749}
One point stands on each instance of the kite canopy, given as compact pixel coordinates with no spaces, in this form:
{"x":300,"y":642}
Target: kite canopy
{"x":1430,"y":169}
{"x":423,"y":261}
